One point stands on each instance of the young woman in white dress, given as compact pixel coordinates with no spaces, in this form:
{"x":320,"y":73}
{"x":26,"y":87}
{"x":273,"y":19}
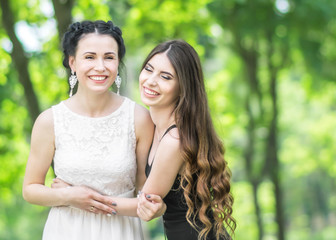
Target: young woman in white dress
{"x":95,"y":142}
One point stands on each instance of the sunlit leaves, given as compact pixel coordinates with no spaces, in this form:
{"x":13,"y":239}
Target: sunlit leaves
{"x":306,"y":31}
{"x":4,"y":66}
{"x":162,"y":20}
{"x":13,"y":155}
{"x":244,"y":211}
{"x":91,"y":10}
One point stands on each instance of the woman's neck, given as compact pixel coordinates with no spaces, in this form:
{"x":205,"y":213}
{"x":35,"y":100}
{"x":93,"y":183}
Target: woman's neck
{"x":163,"y":118}
{"x":95,"y":105}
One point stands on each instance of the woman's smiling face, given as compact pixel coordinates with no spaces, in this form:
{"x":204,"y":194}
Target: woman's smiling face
{"x":158,"y":82}
{"x":95,"y":62}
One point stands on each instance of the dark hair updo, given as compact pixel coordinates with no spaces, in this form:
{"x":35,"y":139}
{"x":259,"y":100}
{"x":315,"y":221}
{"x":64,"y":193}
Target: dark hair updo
{"x":78,"y":30}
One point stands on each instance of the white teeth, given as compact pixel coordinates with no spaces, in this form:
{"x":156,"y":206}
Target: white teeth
{"x":150,"y":92}
{"x":98,"y":78}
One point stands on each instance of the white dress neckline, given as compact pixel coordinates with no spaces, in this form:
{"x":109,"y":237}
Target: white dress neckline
{"x":115,"y":112}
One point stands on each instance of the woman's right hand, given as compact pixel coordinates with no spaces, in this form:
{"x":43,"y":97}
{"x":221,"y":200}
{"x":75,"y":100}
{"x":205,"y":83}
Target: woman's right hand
{"x":85,"y":198}
{"x":59,"y":183}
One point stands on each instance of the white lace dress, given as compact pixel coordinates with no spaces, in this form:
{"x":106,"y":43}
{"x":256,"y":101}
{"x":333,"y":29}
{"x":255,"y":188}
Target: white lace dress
{"x":98,"y":153}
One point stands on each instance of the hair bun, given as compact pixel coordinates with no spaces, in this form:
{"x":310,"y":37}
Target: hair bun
{"x":114,"y":28}
{"x":76,"y":26}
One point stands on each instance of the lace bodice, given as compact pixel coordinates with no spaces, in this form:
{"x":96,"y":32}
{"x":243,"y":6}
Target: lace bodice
{"x":96,"y":152}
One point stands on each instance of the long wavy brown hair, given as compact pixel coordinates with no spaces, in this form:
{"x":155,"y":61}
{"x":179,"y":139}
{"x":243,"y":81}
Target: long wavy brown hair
{"x":206,"y":177}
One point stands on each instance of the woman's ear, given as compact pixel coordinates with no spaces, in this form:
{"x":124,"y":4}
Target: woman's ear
{"x":72,"y":63}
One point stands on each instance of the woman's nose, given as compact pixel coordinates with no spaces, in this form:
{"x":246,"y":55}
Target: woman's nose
{"x":152,"y":79}
{"x":100,"y":65}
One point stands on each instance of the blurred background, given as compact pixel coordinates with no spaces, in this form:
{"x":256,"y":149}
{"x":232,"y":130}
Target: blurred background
{"x":270,"y":71}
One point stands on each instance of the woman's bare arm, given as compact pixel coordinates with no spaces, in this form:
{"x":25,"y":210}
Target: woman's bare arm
{"x":166,"y":166}
{"x":39,"y":161}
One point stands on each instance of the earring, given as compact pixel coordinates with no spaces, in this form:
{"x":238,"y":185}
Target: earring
{"x":118,"y":83}
{"x":72,"y":81}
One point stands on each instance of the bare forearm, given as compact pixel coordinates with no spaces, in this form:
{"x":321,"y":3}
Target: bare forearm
{"x":140,"y":183}
{"x":42,"y":195}
{"x":126,"y":206}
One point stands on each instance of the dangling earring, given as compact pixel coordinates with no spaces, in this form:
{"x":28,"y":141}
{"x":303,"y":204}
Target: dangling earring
{"x":72,"y":81}
{"x":118,"y":83}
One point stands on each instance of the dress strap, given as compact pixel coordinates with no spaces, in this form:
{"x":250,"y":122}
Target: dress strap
{"x":149,"y":166}
{"x":168,"y":129}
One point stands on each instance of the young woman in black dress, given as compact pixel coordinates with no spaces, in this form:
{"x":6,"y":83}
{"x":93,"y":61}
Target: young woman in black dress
{"x":186,"y":167}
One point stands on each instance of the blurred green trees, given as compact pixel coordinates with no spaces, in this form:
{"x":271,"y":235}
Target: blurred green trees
{"x":270,"y":74}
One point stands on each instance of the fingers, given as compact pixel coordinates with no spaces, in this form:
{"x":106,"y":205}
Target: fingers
{"x":158,"y":201}
{"x":101,"y":203}
{"x":90,"y":200}
{"x":153,"y":198}
{"x":56,"y":180}
{"x":103,"y":208}
{"x":149,"y":209}
{"x":104,"y":199}
{"x":58,"y":183}
{"x":142,"y":215}
{"x":92,"y":209}
{"x":97,"y":209}
{"x":141,"y":210}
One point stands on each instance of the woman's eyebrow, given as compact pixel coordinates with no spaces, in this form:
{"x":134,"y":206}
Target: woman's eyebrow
{"x":161,"y":71}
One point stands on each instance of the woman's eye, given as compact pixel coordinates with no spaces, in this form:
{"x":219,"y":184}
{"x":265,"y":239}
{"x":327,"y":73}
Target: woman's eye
{"x":110,"y":57}
{"x":148,"y":69}
{"x":88,"y":57}
{"x":166,"y":77}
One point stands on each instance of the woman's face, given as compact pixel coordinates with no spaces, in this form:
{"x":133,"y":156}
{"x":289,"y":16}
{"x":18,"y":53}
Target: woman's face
{"x":159,"y":86}
{"x":95,"y":62}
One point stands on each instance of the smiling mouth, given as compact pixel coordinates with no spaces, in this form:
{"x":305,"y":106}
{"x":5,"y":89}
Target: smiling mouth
{"x":150,"y":92}
{"x":96,"y":78}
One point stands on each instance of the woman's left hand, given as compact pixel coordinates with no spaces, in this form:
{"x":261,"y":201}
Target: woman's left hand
{"x":150,"y":206}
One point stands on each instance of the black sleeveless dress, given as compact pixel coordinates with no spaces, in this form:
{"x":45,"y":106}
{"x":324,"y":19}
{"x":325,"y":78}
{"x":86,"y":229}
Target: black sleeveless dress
{"x":175,"y":222}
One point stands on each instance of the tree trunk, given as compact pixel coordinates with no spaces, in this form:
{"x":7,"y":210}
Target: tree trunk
{"x":249,"y":157}
{"x":254,"y":179}
{"x":20,"y":60}
{"x":63,"y":9}
{"x":272,"y":157}
{"x":255,"y":186}
{"x":272,"y":153}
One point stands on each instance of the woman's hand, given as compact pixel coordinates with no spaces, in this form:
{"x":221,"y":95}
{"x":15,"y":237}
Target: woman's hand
{"x":59,"y":183}
{"x":150,"y":206}
{"x":85,"y":198}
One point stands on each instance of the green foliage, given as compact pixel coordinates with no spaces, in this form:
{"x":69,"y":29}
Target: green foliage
{"x":28,"y":11}
{"x":303,"y":42}
{"x":47,"y":71}
{"x":14,"y":151}
{"x":91,"y":10}
{"x":154,"y":21}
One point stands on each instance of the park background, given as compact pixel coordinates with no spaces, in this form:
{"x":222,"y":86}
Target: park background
{"x":270,"y":74}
